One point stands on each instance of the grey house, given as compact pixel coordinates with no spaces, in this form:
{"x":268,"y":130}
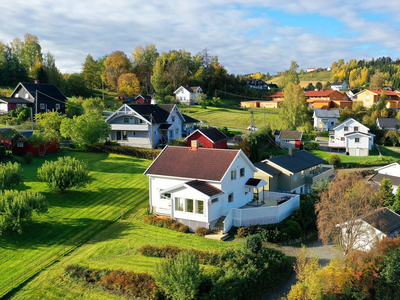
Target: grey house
{"x":325,"y":120}
{"x":293,"y":172}
{"x":388,"y":123}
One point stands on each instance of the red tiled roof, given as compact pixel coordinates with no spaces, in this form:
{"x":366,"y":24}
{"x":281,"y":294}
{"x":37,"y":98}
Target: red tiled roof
{"x":277,"y":95}
{"x":203,"y":163}
{"x":320,"y":93}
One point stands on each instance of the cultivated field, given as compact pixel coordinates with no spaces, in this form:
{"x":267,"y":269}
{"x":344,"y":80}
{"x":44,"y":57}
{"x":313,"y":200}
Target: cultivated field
{"x":74,"y":217}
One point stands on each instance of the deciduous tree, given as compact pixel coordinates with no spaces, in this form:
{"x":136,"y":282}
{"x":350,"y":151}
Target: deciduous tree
{"x":293,"y":110}
{"x":144,"y":59}
{"x":128,"y":85}
{"x":116,"y":64}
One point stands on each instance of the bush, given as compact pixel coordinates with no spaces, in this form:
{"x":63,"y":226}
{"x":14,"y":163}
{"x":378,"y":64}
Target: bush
{"x":28,"y":158}
{"x":253,"y":243}
{"x":308,"y":136}
{"x":2,"y":151}
{"x":165,"y":223}
{"x":124,"y":150}
{"x":311,"y":146}
{"x":65,"y":173}
{"x":201,"y":231}
{"x":10,"y":175}
{"x":293,"y":229}
{"x":334,"y":159}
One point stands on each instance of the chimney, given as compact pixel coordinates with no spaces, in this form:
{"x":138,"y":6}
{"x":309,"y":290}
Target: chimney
{"x":194,"y":145}
{"x":290,"y":151}
{"x":37,"y":81}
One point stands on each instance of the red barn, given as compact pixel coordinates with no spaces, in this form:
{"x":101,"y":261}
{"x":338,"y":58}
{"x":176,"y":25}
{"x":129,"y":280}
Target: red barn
{"x":143,"y":99}
{"x":209,"y":138}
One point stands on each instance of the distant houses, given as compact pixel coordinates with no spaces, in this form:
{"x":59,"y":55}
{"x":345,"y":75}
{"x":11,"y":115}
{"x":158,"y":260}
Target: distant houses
{"x":187,"y":95}
{"x":325,"y":120}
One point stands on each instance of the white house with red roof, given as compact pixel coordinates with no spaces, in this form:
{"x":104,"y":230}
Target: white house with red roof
{"x":205,"y":187}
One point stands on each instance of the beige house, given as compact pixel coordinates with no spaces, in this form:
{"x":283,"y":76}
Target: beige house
{"x":369,"y":97}
{"x":293,"y":172}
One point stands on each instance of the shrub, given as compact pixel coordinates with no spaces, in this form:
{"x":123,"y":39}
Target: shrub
{"x":253,"y":243}
{"x":165,"y":223}
{"x":334,"y":159}
{"x":124,"y":150}
{"x":293,"y":229}
{"x":2,"y":151}
{"x":10,"y":175}
{"x":201,"y":231}
{"x":65,"y":173}
{"x":28,"y":158}
{"x":311,"y":146}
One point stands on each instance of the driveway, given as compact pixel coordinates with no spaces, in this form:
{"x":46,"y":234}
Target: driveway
{"x":324,"y":253}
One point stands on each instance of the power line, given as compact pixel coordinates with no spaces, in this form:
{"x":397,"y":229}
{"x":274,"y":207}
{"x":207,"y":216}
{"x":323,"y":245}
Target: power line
{"x":236,"y":95}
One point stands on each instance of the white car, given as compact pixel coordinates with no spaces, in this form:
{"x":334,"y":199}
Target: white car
{"x":252,"y":128}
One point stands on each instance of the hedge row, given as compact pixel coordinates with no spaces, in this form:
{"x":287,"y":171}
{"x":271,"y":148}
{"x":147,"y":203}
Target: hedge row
{"x":165,"y":223}
{"x":119,"y":282}
{"x":125,"y":150}
{"x":311,"y":146}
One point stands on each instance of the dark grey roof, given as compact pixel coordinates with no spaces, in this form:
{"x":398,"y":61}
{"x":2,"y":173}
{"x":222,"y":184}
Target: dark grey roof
{"x":388,"y":122}
{"x":290,"y":135}
{"x":159,"y":112}
{"x":26,"y":133}
{"x":204,"y":187}
{"x":336,"y":83}
{"x":252,"y":182}
{"x":355,"y":133}
{"x":214,"y":134}
{"x":277,"y":132}
{"x":378,"y":178}
{"x":15,"y":100}
{"x":189,"y":120}
{"x":324,"y":113}
{"x":383,"y":219}
{"x":164,"y":126}
{"x":45,"y":91}
{"x":267,"y":168}
{"x":272,"y":86}
{"x":297,"y":162}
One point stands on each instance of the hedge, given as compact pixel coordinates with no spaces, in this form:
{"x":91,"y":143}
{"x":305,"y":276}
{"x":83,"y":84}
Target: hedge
{"x":165,"y":223}
{"x":125,"y":150}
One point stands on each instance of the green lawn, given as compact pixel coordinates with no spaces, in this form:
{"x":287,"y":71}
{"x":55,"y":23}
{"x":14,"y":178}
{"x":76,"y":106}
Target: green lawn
{"x":388,"y":156}
{"x":232,"y":118}
{"x":74,"y":217}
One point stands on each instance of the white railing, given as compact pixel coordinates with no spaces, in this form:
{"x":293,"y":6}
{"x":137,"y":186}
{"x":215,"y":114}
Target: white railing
{"x":263,"y":214}
{"x":337,"y":143}
{"x":130,"y":127}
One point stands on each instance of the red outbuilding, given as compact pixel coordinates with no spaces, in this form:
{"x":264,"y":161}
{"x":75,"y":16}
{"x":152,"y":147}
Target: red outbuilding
{"x":209,"y":138}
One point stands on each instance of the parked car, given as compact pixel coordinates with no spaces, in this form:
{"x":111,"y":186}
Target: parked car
{"x":252,"y":128}
{"x":238,"y":138}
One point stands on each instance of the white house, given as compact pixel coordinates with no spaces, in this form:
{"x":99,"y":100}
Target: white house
{"x":325,"y":120}
{"x":201,"y":186}
{"x":146,"y":125}
{"x":353,"y":137}
{"x":392,"y":172}
{"x":369,"y":229}
{"x":339,"y":86}
{"x":187,"y":95}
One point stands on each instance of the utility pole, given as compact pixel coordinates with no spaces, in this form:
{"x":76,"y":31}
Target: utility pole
{"x":32,"y":118}
{"x":264,"y":116}
{"x":151,"y":133}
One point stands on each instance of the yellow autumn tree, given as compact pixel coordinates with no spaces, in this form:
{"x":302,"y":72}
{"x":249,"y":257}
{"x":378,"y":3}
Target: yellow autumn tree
{"x":128,"y":85}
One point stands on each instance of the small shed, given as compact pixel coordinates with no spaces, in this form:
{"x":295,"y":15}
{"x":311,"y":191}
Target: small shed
{"x":209,"y":138}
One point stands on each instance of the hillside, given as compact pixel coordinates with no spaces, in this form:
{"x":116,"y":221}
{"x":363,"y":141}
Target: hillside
{"x":306,"y":78}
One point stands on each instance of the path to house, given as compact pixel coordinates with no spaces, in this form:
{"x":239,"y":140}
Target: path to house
{"x":324,"y":253}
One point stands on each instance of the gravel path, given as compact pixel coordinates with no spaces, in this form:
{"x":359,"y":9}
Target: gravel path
{"x":324,"y":253}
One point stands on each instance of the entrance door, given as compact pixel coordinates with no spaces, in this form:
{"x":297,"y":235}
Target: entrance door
{"x":119,"y":135}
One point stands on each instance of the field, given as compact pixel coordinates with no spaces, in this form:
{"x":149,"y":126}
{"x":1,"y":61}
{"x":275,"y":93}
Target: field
{"x":233,"y":118}
{"x":312,"y":77}
{"x":388,"y":156}
{"x":74,"y":217}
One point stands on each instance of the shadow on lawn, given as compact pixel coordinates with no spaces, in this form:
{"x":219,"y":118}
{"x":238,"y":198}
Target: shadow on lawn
{"x":73,"y":232}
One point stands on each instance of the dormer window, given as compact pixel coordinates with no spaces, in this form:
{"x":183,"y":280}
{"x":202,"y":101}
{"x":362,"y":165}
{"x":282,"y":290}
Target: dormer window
{"x":346,"y":128}
{"x":355,"y":128}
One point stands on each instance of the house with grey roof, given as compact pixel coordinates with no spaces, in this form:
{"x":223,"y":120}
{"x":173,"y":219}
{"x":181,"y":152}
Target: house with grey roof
{"x":372,"y":227}
{"x":388,"y":123}
{"x":213,"y":188}
{"x":339,"y":86}
{"x":325,"y":120}
{"x":147,"y":125}
{"x":288,"y":138}
{"x":188,"y":95}
{"x":294,"y":172}
{"x":391,"y":172}
{"x":41,"y":97}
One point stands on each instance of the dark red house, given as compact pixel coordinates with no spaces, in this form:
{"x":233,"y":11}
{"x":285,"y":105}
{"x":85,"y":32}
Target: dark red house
{"x":143,"y":99}
{"x":209,"y":138}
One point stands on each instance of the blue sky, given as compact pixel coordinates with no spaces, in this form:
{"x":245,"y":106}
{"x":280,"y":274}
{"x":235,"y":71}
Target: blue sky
{"x":247,"y":35}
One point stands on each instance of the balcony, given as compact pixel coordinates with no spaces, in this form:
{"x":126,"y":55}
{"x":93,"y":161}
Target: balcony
{"x":336,"y":142}
{"x":130,"y":127}
{"x":273,"y":209}
{"x":316,"y":176}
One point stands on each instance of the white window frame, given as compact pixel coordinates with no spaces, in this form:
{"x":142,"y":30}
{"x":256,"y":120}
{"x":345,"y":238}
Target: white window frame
{"x":357,"y":140}
{"x":233,"y":174}
{"x":230,"y":198}
{"x":42,"y":106}
{"x":20,"y":144}
{"x":179,"y":202}
{"x":196,"y":209}
{"x":58,"y":106}
{"x":242,"y":172}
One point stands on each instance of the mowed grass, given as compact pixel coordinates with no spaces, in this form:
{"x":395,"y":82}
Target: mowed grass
{"x":114,"y":248}
{"x":74,"y":217}
{"x":232,"y":118}
{"x":388,"y":156}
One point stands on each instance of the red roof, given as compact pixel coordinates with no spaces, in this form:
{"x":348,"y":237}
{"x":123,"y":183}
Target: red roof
{"x":202,"y":163}
{"x":277,"y":95}
{"x":320,"y":93}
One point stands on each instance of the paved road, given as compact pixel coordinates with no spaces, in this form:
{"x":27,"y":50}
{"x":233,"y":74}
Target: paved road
{"x":324,"y":253}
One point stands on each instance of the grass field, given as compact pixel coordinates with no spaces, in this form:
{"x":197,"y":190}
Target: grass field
{"x":232,"y":118}
{"x":74,"y":217}
{"x":312,"y":77}
{"x":388,"y":156}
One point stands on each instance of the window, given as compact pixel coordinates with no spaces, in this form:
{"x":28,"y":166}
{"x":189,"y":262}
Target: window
{"x":230,"y":198}
{"x":179,"y":204}
{"x":355,"y":128}
{"x":20,"y":144}
{"x":58,"y":106}
{"x":332,"y":123}
{"x":133,"y":133}
{"x":241,"y":172}
{"x":346,"y":128}
{"x":334,"y":97}
{"x":295,"y":177}
{"x":199,"y":207}
{"x":214,"y":200}
{"x":189,"y":205}
{"x":177,"y":131}
{"x":124,"y":135}
{"x":126,"y":120}
{"x":18,"y":105}
{"x":357,"y":140}
{"x":23,"y":105}
{"x":41,"y":105}
{"x":302,"y":174}
{"x":342,"y":138}
{"x":173,"y":119}
{"x":166,"y":196}
{"x":233,"y":174}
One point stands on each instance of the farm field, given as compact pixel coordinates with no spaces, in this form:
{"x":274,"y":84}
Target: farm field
{"x":388,"y":156}
{"x":74,"y":217}
{"x":232,"y":118}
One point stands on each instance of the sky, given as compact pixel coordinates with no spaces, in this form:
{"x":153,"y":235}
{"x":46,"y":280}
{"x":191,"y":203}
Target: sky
{"x":247,"y":36}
